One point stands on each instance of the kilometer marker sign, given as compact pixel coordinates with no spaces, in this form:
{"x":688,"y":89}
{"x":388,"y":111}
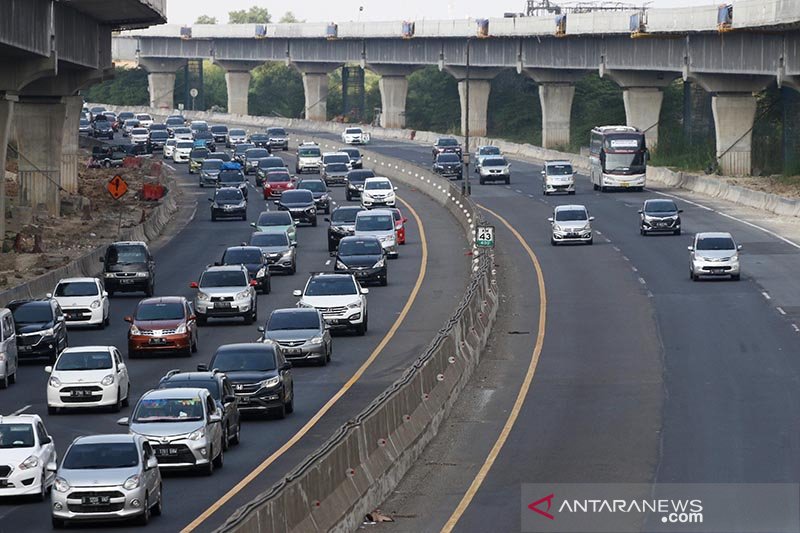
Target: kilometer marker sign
{"x":484,"y":236}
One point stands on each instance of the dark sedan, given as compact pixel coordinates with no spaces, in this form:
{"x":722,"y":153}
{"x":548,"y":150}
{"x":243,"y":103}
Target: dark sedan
{"x":354,"y":182}
{"x":320,"y":192}
{"x":228,"y":202}
{"x":300,"y":204}
{"x":342,"y":224}
{"x":364,"y":258}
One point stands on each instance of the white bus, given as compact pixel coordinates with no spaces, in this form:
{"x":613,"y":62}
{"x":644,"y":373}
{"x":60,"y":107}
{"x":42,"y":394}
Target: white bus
{"x":617,"y":158}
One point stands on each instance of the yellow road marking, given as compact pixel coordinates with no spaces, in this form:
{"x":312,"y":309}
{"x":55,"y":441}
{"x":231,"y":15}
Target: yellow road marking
{"x":335,"y":398}
{"x":469,"y":495}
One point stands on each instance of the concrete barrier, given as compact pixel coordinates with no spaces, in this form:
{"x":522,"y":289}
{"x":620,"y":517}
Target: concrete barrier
{"x":89,"y":264}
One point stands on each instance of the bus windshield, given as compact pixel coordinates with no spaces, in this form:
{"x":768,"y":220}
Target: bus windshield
{"x":630,"y":163}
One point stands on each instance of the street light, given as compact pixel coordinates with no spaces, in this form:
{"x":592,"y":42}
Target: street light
{"x":466,"y":189}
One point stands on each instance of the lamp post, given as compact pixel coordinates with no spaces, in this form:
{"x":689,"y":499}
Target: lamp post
{"x":466,"y":190}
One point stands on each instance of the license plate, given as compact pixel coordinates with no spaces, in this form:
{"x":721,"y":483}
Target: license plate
{"x":126,"y":281}
{"x":244,"y":400}
{"x":222,"y":305}
{"x":572,"y":235}
{"x":158,"y":341}
{"x":166,"y":451}
{"x":292,"y":351}
{"x":626,"y":184}
{"x":96,"y":500}
{"x":80,"y":393}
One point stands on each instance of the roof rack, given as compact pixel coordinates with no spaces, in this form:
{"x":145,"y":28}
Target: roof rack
{"x":172,"y":373}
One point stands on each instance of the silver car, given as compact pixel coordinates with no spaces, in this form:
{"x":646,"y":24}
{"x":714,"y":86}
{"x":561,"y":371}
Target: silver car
{"x":301,"y":333}
{"x":224,"y":292}
{"x":494,"y":168}
{"x":278,"y":249}
{"x":378,"y":223}
{"x":183,"y":425}
{"x":571,"y":223}
{"x":107,"y":478}
{"x":714,"y":254}
{"x":8,"y":349}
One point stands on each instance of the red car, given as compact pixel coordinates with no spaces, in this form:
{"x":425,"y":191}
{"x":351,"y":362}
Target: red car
{"x":399,"y":225}
{"x":162,"y":324}
{"x":276,"y":183}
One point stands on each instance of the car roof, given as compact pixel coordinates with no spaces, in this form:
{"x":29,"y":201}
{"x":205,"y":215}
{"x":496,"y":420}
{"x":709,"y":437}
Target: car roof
{"x":335,"y":153}
{"x":243,"y":248}
{"x":570,"y":207}
{"x":163,"y":300}
{"x":271,"y":230}
{"x":192,"y":376}
{"x":177,"y":393}
{"x":246,"y":346}
{"x":295,"y":311}
{"x":80,"y":349}
{"x":106,"y":438}
{"x":77,"y":280}
{"x":558,"y":162}
{"x":220,"y":189}
{"x":714,"y":234}
{"x":372,"y":212}
{"x":350,"y":208}
{"x":378,"y":178}
{"x":226,"y":268}
{"x":20,"y":419}
{"x":212,"y":160}
{"x":359,"y":238}
{"x":331,"y":275}
{"x":279,"y":213}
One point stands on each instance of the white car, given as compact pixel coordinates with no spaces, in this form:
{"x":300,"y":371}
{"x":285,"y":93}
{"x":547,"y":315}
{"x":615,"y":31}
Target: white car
{"x":169,"y":148}
{"x":354,"y":136}
{"x":236,"y":136}
{"x":144,"y":119}
{"x":571,"y":223}
{"x":378,"y":192}
{"x":339,"y":297}
{"x":309,"y":158}
{"x":714,"y":254}
{"x":558,"y":176}
{"x":182,"y":151}
{"x":378,"y":223}
{"x":337,"y":157}
{"x":140,"y":135}
{"x":88,"y":376}
{"x":28,"y":459}
{"x":494,"y":168}
{"x":183,"y":134}
{"x":83,"y":300}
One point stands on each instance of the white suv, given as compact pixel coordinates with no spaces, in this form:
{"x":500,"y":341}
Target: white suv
{"x":354,"y":136}
{"x":28,"y":457}
{"x":558,"y":176}
{"x":83,"y":300}
{"x":571,"y":223}
{"x":378,"y":192}
{"x":339,"y":297}
{"x":183,"y":150}
{"x":309,"y":158}
{"x":714,"y":254}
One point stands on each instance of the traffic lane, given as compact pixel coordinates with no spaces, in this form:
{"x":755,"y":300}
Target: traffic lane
{"x":175,"y":265}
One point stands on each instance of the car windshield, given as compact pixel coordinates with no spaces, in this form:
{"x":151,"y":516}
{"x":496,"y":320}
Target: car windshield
{"x":374,"y":223}
{"x":229,"y":195}
{"x":138,"y":131}
{"x":260,"y":137}
{"x":330,"y":286}
{"x":101,"y":455}
{"x":162,"y":135}
{"x":183,"y":145}
{"x":559,"y":170}
{"x":308,"y":152}
{"x":448,"y":158}
{"x":660,"y":206}
{"x":261,"y":359}
{"x":219,"y":129}
{"x":278,"y":132}
{"x":223,"y":278}
{"x":158,"y":127}
{"x":199,"y":153}
{"x":494,"y":162}
{"x":32,"y":312}
{"x":358,"y":176}
{"x":174,"y":120}
{"x":352,"y":152}
{"x":16,"y":436}
{"x":344,"y":216}
{"x":568,"y":215}
{"x":126,"y":255}
{"x":489,"y":150}
{"x":231,"y":176}
{"x":312,"y":185}
{"x":447,"y":142}
{"x":271,"y":162}
{"x":182,"y":130}
{"x":239,"y":256}
{"x":222,"y":156}
{"x":278,"y":177}
{"x":77,"y":288}
{"x":168,"y":410}
{"x":159,"y":311}
{"x":242,"y":148}
{"x":144,"y":116}
{"x":269,"y":239}
{"x":276,"y":218}
{"x":297,"y":197}
{"x":102,"y":124}
{"x":256,"y":153}
{"x":237,"y":133}
{"x":715,"y":243}
{"x":353,"y":130}
{"x":199,"y":126}
{"x":84,"y":361}
{"x":212,"y":164}
{"x":378,"y":186}
{"x":624,"y":162}
{"x":84,"y":122}
{"x":210,"y":385}
{"x":336,"y":167}
{"x":360,"y":247}
{"x":337,"y":158}
{"x":294,"y":319}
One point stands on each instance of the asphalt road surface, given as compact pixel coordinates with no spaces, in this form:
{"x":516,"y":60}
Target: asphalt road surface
{"x":643,"y":374}
{"x":181,"y":261}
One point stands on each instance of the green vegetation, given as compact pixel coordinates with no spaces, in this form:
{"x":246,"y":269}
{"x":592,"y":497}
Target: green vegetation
{"x":205,"y":19}
{"x":276,"y":90}
{"x":254,"y":15}
{"x":432,"y":102}
{"x":128,"y":87}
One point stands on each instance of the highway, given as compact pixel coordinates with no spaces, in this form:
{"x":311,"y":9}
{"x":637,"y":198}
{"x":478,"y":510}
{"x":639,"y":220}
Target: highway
{"x":428,"y":278}
{"x":642,"y":374}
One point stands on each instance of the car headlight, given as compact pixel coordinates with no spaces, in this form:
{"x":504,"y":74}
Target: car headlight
{"x":324,"y":198}
{"x":31,"y":462}
{"x":271,"y":382}
{"x":339,"y":264}
{"x":135,"y":330}
{"x":587,"y":227}
{"x":95,"y":304}
{"x":132,"y":482}
{"x":108,"y":275}
{"x":142,"y":274}
{"x":241,"y":205}
{"x":242,"y":295}
{"x":60,"y":485}
{"x":180,"y":330}
{"x":316,"y":340}
{"x":108,"y":380}
{"x":556,"y":227}
{"x":197,"y":434}
{"x":354,"y":305}
{"x":203,"y":297}
{"x":286,"y":254}
{"x":48,"y":332}
{"x":261,"y":272}
{"x":380,"y":263}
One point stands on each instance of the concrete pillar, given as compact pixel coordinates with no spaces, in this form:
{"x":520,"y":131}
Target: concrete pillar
{"x":556,"y":102}
{"x":643,"y":109}
{"x":315,"y":85}
{"x":478,"y":105}
{"x":69,"y":144}
{"x":238,"y":89}
{"x":6,"y":119}
{"x":162,"y":89}
{"x":394,"y":90}
{"x":734,"y":116}
{"x":39,"y":127}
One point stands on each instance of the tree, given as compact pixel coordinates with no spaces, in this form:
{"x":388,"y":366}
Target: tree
{"x":289,"y":18}
{"x":205,"y":19}
{"x":432,"y":102}
{"x":127,"y":87}
{"x":276,"y":90}
{"x":254,"y":15}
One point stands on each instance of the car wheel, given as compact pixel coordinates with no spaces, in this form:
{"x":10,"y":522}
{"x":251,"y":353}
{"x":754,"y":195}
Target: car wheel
{"x":676,"y":232}
{"x":237,"y":437}
{"x":508,"y":181}
{"x":290,"y":404}
{"x":150,"y":290}
{"x":52,"y":410}
{"x":642,"y":232}
{"x":213,"y":217}
{"x":110,"y":293}
{"x":590,"y":241}
{"x":293,"y":269}
{"x":481,"y":181}
{"x":107,"y":320}
{"x":208,"y":468}
{"x":281,"y":411}
{"x":158,"y":508}
{"x":42,"y":494}
{"x":348,"y":196}
{"x":385,"y":280}
{"x":194,"y":345}
{"x":269,"y":286}
{"x":692,"y":275}
{"x":225,"y":438}
{"x":117,"y":406}
{"x":4,"y":382}
{"x":553,"y":241}
{"x":328,"y":209}
{"x":201,"y":183}
{"x":594,"y":186}
{"x":13,"y":378}
{"x":571,"y":192}
{"x":127,"y":401}
{"x":328,"y":354}
{"x":144,"y":518}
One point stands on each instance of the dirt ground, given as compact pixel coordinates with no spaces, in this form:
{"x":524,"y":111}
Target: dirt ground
{"x":788,"y":186}
{"x":36,"y":242}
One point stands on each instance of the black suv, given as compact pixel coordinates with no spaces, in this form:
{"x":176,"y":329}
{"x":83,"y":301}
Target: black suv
{"x":220,"y":133}
{"x":446,"y":145}
{"x":342,"y":223}
{"x":157,"y":140}
{"x":260,"y":374}
{"x":449,"y":165}
{"x":354,"y":182}
{"x":102,"y":128}
{"x":300,"y":204}
{"x":228,"y":202}
{"x":41,"y":328}
{"x":320,"y":191}
{"x":253,"y":260}
{"x":221,"y":390}
{"x":128,"y":266}
{"x":364,"y":258}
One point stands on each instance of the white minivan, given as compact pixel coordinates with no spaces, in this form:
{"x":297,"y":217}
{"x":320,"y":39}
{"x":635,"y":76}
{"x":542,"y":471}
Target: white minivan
{"x":558,"y":176}
{"x":378,"y":223}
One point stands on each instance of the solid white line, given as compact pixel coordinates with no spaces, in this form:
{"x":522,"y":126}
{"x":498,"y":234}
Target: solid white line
{"x":781,"y":311}
{"x":794,"y":327}
{"x":20,"y":411}
{"x":765,"y":295}
{"x":328,"y":262}
{"x":170,"y":167}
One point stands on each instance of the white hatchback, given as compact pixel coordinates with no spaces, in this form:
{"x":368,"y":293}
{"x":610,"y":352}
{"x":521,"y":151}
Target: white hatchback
{"x":571,"y":223}
{"x":378,"y":192}
{"x":83,"y":300}
{"x":183,"y":150}
{"x":88,"y":376}
{"x":28,"y":457}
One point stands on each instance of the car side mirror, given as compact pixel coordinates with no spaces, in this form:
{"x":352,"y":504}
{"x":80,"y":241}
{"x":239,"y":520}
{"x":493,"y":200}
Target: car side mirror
{"x":739,"y":248}
{"x":286,"y":366}
{"x":364,"y":290}
{"x":194,"y":285}
{"x":124,"y":421}
{"x":48,"y":369}
{"x":192,"y":317}
{"x":550,"y":219}
{"x":229,"y":399}
{"x":105,"y":294}
{"x":542,"y":172}
{"x":152,"y":463}
{"x":253,"y":224}
{"x":326,"y":219}
{"x":690,"y":248}
{"x":276,"y":202}
{"x":293,"y":244}
{"x":297,"y":294}
{"x":395,"y":188}
{"x":261,"y":329}
{"x":202,"y":368}
{"x":47,"y":440}
{"x":680,"y":210}
{"x":591,"y":219}
{"x":48,"y":295}
{"x":128,"y":319}
{"x":214,"y":417}
{"x":210,"y":199}
{"x":102,"y":259}
{"x":641,"y":212}
{"x":405,"y":219}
